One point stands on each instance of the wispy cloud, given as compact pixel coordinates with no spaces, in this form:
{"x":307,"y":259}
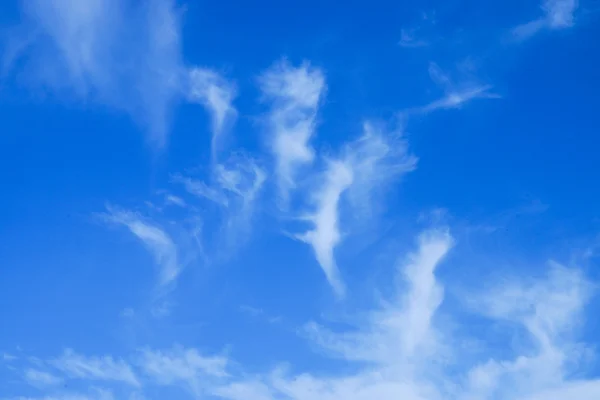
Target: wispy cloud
{"x":549,"y":311}
{"x":378,"y":157}
{"x":216,"y":94}
{"x":175,"y":200}
{"x":403,"y":347}
{"x":41,"y":379}
{"x":200,"y":189}
{"x":415,"y":36}
{"x":156,"y":240}
{"x":76,"y":366}
{"x":234,"y":185}
{"x":105,"y":51}
{"x":326,"y":232}
{"x":183,"y":366}
{"x":295,"y":94}
{"x":558,"y":14}
{"x":364,"y":166}
{"x":403,"y":329}
{"x":455,"y":96}
{"x":94,"y":394}
{"x":409,"y":39}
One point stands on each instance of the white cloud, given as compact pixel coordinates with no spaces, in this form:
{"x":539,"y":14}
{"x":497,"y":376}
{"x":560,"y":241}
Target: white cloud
{"x":202,"y":190}
{"x":377,"y":158}
{"x":183,"y":366}
{"x":549,"y":312}
{"x":96,"y":394}
{"x":109,"y":52}
{"x":455,"y":96}
{"x":242,"y":177}
{"x":558,"y":14}
{"x":404,"y":347}
{"x":76,"y":366}
{"x":235,"y":186}
{"x":156,"y":240}
{"x":365,"y":166}
{"x":41,"y":379}
{"x":295,"y":94}
{"x":402,"y":330}
{"x":175,"y":200}
{"x":216,"y":94}
{"x":408,"y":39}
{"x":326,"y":232}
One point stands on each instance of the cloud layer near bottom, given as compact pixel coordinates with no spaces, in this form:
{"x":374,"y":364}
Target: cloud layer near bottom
{"x":403,"y":349}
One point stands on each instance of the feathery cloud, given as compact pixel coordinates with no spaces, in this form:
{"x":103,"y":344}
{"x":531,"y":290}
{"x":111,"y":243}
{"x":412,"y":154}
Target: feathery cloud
{"x":156,"y":240}
{"x":76,"y":366}
{"x":295,"y":94}
{"x":378,"y":157}
{"x":403,"y":348}
{"x":41,"y":379}
{"x":365,"y":166}
{"x":326,"y":233}
{"x":454,"y":96}
{"x":409,"y":40}
{"x":403,"y":329}
{"x":183,"y":366}
{"x":558,"y":14}
{"x":216,"y":94}
{"x":107,"y":52}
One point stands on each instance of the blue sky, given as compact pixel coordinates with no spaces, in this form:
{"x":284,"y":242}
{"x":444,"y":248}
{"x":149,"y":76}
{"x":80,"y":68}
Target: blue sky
{"x":299,"y":201}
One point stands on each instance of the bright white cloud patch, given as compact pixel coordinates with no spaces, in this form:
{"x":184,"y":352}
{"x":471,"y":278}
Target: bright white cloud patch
{"x":326,"y":232}
{"x":295,"y":94}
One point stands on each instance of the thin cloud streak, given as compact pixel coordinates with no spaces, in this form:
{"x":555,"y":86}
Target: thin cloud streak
{"x":216,"y":94}
{"x":76,"y":366}
{"x":455,"y":96}
{"x":558,"y":14}
{"x":326,"y":232}
{"x":156,"y":240}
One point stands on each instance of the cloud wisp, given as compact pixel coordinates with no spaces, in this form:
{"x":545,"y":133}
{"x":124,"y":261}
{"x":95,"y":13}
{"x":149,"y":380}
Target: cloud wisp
{"x":155,"y":239}
{"x":325,"y":234}
{"x":402,"y":348}
{"x":216,"y":94}
{"x":295,"y":94}
{"x":558,"y":14}
{"x":118,"y":55}
{"x":107,"y":52}
{"x":365,"y":166}
{"x":455,"y":96}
